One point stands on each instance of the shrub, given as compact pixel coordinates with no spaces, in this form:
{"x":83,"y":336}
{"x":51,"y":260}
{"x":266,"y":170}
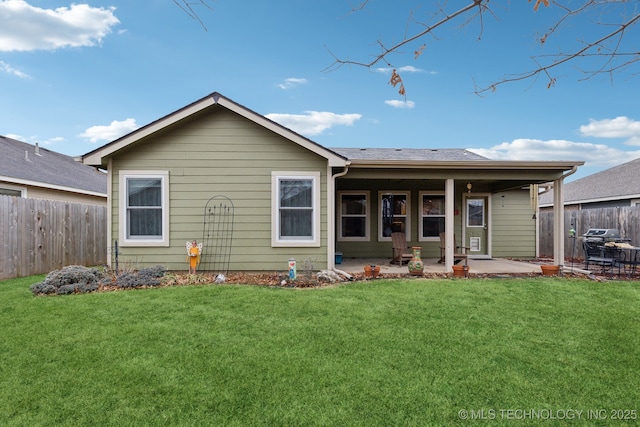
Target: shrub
{"x":67,"y":280}
{"x":150,"y":276}
{"x":79,"y":279}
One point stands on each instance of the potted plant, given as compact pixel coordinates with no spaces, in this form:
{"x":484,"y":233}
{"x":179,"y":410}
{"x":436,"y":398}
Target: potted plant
{"x":550,"y":270}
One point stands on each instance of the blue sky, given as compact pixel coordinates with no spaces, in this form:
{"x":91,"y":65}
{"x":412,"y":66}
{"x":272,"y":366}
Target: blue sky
{"x":74,"y":76}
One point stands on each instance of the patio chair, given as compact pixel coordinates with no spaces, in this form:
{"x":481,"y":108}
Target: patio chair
{"x":627,"y":260}
{"x":594,"y":254}
{"x":458,"y":254}
{"x":401,"y":251}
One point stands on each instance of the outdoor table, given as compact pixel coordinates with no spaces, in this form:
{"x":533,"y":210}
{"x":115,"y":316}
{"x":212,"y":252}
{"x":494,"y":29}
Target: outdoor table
{"x":626,"y":256}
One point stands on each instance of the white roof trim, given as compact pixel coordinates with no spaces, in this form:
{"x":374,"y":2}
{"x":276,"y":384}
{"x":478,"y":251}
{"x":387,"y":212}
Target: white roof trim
{"x":469,"y":164}
{"x":600,"y":199}
{"x":51,"y":186}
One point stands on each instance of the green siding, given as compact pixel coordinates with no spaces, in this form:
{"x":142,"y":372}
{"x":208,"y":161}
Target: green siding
{"x":220,"y":153}
{"x":513,"y":225}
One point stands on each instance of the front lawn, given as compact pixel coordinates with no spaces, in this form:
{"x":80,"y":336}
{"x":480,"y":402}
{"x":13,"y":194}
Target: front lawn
{"x":386,"y":352}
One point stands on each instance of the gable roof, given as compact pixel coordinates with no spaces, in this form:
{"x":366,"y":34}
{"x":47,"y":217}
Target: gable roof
{"x":27,"y":164}
{"x":616,"y":183}
{"x":453,"y":158}
{"x":340,"y":157}
{"x":98,"y":157}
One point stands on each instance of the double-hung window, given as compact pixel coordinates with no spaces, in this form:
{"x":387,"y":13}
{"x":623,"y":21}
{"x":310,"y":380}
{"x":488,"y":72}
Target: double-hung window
{"x":144,"y":208}
{"x":354,"y":215}
{"x":432,"y":216}
{"x":296,"y":208}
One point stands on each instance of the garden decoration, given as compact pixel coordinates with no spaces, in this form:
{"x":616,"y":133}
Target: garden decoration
{"x":416,"y":266}
{"x":194,"y":250}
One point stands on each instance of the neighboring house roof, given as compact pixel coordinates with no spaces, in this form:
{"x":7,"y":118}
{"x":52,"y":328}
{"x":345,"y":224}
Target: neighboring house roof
{"x":616,"y":183}
{"x":26,"y":164}
{"x":98,"y":156}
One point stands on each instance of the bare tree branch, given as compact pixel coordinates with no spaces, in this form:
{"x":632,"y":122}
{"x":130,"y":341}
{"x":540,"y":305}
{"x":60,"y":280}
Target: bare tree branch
{"x":609,"y":46}
{"x":481,"y":4}
{"x":598,"y":45}
{"x":187,"y":7}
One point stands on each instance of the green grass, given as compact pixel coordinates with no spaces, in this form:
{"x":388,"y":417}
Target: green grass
{"x":403,"y":352}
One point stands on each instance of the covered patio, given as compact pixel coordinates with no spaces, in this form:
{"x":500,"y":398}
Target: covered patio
{"x":484,"y":208}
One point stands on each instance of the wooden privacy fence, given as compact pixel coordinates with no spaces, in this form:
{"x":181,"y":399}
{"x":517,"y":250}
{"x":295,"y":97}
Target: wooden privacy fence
{"x":39,"y":236}
{"x":625,"y":219}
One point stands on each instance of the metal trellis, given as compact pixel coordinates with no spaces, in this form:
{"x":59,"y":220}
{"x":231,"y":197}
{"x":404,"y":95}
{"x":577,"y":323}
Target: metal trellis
{"x":217,"y":235}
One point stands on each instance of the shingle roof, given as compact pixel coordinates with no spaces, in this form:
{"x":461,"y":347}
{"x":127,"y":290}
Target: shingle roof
{"x":618,"y":182}
{"x":419,"y":154}
{"x":26,"y":162}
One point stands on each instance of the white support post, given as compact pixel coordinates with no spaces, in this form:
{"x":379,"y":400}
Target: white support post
{"x":558,"y":221}
{"x":449,"y":198}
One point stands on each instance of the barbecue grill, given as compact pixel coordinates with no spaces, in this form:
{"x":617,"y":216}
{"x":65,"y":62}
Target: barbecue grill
{"x":602,"y":235}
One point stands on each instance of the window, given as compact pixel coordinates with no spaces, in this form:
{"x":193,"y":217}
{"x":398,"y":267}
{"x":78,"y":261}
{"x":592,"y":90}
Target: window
{"x":144,"y":209}
{"x":354,"y":216}
{"x":394,"y":209}
{"x":296,"y":209}
{"x":432,"y":217}
{"x":11,"y":191}
{"x":475,"y":213}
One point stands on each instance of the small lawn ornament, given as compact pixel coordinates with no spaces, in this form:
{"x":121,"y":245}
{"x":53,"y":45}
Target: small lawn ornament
{"x":194,"y":250}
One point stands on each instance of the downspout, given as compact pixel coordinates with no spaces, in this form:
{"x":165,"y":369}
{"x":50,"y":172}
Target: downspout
{"x":331,"y":227}
{"x":343,"y":173}
{"x":573,"y":170}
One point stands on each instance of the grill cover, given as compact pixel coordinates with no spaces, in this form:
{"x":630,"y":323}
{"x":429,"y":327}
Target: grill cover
{"x":602,"y":234}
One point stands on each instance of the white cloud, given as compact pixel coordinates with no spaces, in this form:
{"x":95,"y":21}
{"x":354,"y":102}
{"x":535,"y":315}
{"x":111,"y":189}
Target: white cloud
{"x":620,"y":127}
{"x":405,"y":69}
{"x":9,"y":69}
{"x":108,"y":133}
{"x":25,"y":27}
{"x":313,"y":122}
{"x":396,"y":103}
{"x":535,"y":149}
{"x":291,"y":83}
{"x":35,"y":139}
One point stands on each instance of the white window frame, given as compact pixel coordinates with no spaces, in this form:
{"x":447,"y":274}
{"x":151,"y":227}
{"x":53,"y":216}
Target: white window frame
{"x":22,"y":190}
{"x":124,"y":176}
{"x":407,"y":215}
{"x":367,"y":216}
{"x":421,"y":195}
{"x":276,"y":240}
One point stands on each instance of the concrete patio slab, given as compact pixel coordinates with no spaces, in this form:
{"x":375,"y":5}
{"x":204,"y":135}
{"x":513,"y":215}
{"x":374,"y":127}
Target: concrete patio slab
{"x":476,"y":266}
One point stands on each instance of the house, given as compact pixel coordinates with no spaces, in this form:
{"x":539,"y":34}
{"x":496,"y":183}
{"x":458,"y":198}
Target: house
{"x":293,"y":198}
{"x":35,"y":172}
{"x":613,"y":187}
